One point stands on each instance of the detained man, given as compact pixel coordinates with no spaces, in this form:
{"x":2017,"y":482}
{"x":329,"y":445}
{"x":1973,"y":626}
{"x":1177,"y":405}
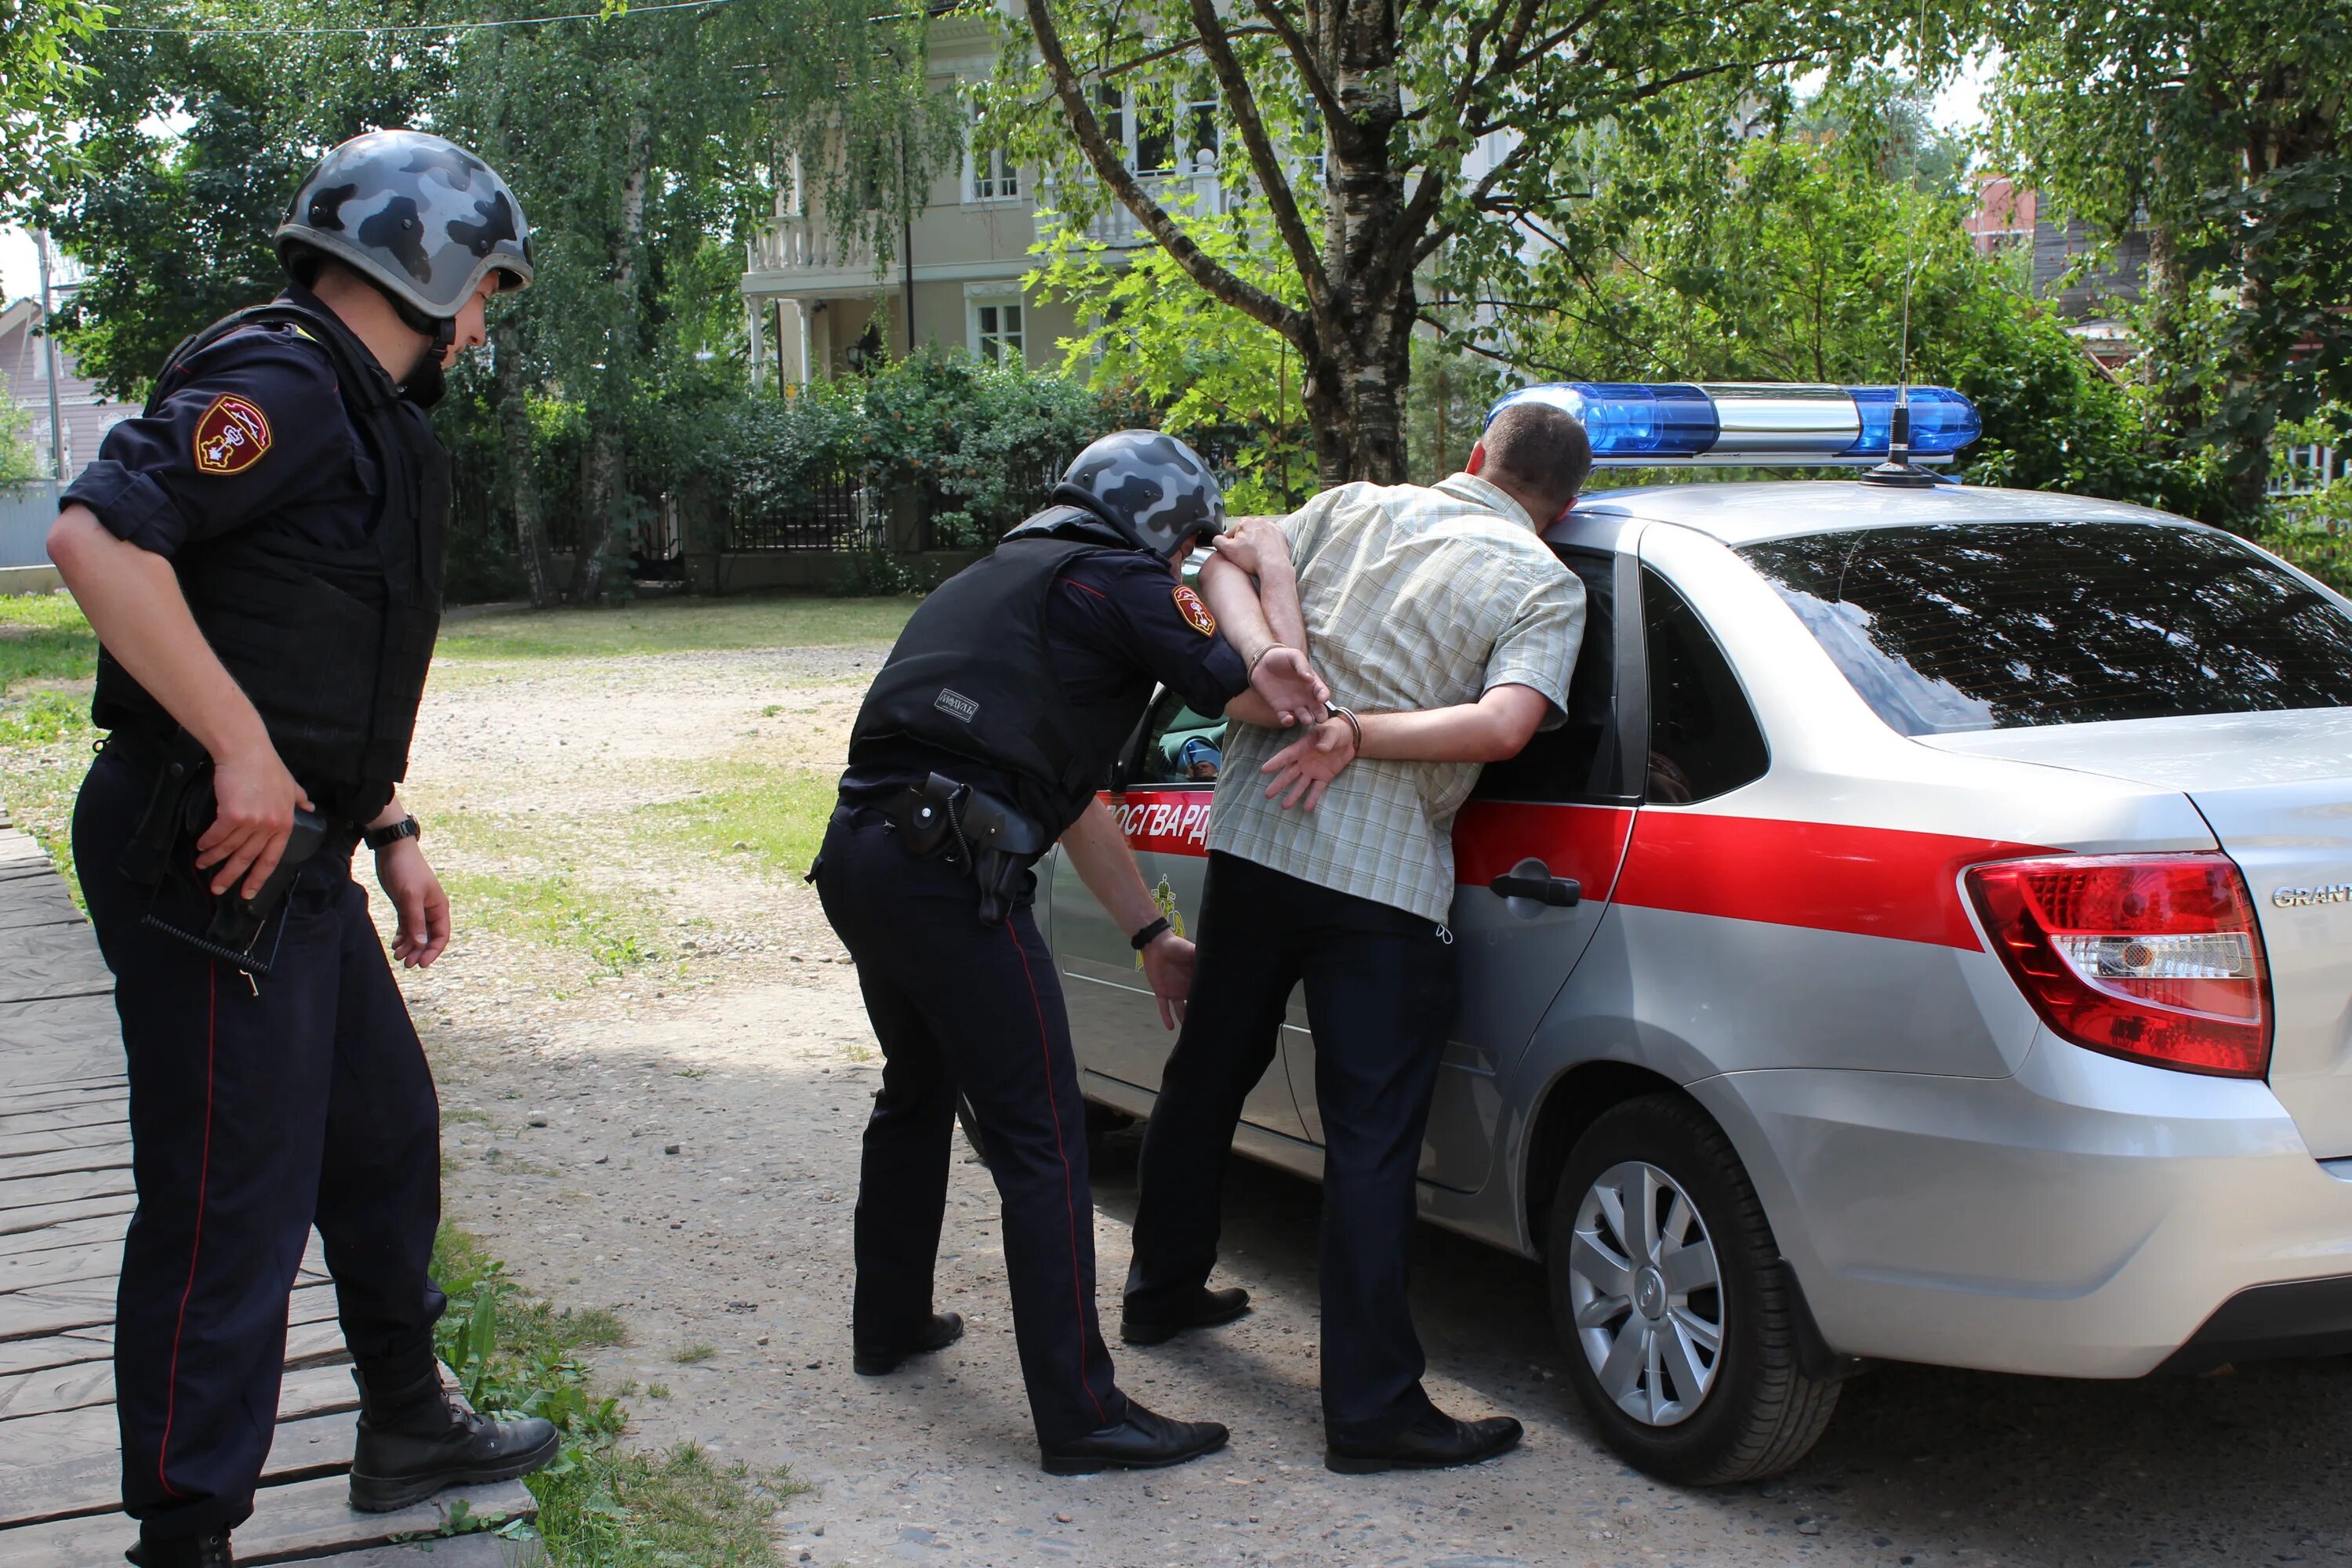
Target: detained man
{"x":1447,"y":632}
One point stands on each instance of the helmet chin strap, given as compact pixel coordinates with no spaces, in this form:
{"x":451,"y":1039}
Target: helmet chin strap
{"x":440,"y":331}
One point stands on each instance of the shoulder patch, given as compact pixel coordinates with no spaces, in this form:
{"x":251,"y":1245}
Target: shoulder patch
{"x":1196,"y":614}
{"x":231,"y":436}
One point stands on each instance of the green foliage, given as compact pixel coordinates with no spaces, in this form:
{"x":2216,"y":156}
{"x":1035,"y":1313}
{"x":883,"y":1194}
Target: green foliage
{"x":38,"y":68}
{"x":20,"y":460}
{"x":2219,"y":130}
{"x":1218,"y":377}
{"x":1459,"y":136}
{"x":982,"y":442}
{"x":1788,"y":263}
{"x":641,"y":193}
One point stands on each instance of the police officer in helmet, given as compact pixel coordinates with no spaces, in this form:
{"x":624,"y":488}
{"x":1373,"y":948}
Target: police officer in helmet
{"x":261,"y":553}
{"x":982,"y":743}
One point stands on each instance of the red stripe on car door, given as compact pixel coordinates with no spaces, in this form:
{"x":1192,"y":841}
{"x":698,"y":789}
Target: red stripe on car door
{"x":1585,"y":842}
{"x":1871,"y":881}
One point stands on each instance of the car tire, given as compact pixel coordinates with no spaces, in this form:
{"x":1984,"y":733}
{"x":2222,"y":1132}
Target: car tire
{"x":1636,"y":1359}
{"x":1101,"y":1122}
{"x":971,"y":1133}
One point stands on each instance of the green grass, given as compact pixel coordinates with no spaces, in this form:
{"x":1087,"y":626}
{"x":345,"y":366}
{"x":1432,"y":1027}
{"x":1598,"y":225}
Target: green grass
{"x":687,"y":1356}
{"x":600,"y":1506}
{"x":554,"y":912}
{"x":677,"y":625}
{"x":776,"y":814}
{"x":44,"y":733}
{"x":43,"y":637}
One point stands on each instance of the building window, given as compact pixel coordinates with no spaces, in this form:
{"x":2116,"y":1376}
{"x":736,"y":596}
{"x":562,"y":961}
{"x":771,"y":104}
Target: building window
{"x":1163,"y":138}
{"x":993,"y":177}
{"x":996,"y":330}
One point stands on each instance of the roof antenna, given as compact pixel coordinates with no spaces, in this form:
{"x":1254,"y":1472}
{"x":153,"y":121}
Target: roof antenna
{"x":1899,"y":470}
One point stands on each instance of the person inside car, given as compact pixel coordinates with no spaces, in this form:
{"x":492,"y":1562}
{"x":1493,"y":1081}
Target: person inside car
{"x":1439,"y":614}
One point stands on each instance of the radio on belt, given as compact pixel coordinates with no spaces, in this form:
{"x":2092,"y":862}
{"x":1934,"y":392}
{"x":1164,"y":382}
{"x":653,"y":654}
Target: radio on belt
{"x":1673,"y":424}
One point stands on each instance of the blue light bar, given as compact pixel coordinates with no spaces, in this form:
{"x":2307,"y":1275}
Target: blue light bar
{"x":1631,"y":418}
{"x":1942,"y":421}
{"x":1671,"y":423}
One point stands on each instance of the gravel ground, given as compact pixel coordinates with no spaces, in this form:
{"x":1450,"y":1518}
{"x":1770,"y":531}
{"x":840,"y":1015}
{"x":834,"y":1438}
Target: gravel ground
{"x":679,"y":1142}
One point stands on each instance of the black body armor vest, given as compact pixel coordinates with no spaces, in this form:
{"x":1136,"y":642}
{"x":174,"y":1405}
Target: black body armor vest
{"x":331,"y":646}
{"x":973,"y":676}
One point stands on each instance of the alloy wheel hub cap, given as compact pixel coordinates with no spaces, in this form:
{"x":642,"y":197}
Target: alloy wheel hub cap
{"x":1646,"y":1293}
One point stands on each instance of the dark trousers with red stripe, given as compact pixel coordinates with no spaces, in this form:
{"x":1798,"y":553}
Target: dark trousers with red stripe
{"x":1381,"y":992}
{"x":252,"y":1117}
{"x":962,"y":1006}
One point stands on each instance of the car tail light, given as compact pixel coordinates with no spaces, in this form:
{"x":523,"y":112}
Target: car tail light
{"x":2152,"y":957}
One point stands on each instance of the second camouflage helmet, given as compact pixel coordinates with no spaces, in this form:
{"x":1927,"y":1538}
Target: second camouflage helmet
{"x":1152,"y":487}
{"x":418,"y":216}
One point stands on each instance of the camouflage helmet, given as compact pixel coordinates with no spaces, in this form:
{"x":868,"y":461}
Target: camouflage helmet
{"x":1152,"y":487}
{"x":418,"y":215}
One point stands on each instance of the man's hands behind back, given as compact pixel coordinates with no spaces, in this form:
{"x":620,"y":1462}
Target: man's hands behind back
{"x":1289,"y":685}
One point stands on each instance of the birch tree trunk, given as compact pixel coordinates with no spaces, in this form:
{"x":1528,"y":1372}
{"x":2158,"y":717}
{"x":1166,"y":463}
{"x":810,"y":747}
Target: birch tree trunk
{"x":522,"y":483}
{"x":607,"y":464}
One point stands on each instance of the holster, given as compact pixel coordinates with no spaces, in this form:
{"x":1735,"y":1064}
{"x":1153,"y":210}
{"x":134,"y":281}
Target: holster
{"x":162,"y":855}
{"x":990,"y":839}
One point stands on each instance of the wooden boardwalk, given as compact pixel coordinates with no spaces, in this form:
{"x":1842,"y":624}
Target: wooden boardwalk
{"x":65,"y":1201}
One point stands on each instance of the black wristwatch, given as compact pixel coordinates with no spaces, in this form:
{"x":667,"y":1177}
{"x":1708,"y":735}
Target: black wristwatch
{"x":1149,"y":934}
{"x":385,"y":837}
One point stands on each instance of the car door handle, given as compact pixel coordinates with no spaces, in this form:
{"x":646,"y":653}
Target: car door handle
{"x":1532,"y":879}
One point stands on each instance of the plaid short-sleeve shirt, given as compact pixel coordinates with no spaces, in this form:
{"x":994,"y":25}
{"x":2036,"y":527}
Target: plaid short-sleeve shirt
{"x":1415,"y":597}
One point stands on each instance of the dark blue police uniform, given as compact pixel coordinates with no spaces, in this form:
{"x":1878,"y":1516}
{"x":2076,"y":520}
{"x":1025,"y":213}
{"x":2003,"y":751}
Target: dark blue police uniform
{"x":963,"y":1005}
{"x":259,"y":1106}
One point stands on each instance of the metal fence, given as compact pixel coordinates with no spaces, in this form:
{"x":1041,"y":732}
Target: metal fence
{"x":839,"y":516}
{"x":26,"y":513}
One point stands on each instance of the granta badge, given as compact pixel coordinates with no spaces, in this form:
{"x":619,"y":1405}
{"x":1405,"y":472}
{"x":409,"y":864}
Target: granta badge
{"x":2304,"y":897}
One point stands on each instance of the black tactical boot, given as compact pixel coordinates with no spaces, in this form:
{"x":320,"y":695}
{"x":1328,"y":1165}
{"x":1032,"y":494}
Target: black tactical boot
{"x":182,"y":1551}
{"x":417,"y":1439}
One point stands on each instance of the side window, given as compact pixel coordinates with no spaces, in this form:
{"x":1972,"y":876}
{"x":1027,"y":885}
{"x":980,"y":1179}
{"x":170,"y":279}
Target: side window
{"x":1577,"y":761}
{"x":1178,"y":745}
{"x":1703,"y":738}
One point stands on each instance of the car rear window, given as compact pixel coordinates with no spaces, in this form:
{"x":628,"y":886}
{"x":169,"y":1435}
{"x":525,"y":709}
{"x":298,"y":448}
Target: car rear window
{"x":1950,"y":626}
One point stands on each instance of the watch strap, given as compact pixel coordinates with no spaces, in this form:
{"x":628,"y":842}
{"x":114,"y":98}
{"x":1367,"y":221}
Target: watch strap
{"x":386,"y":837}
{"x":1150,"y":934}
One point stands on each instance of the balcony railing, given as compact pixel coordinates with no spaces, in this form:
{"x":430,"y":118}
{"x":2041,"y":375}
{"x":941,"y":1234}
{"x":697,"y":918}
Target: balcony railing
{"x":1199,"y":195}
{"x":806,"y":245}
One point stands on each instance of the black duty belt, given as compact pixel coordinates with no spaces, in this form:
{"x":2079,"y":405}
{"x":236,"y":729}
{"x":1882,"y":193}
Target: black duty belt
{"x":942,"y":819}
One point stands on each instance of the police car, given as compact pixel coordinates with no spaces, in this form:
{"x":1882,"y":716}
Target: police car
{"x":1929,"y":938}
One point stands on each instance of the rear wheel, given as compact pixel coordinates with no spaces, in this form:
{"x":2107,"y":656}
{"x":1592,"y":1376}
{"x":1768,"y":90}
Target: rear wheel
{"x":1101,"y":1122}
{"x":1673,"y":1303}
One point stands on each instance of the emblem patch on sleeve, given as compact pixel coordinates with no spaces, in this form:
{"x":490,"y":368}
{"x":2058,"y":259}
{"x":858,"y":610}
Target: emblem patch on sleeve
{"x":231,"y":436}
{"x":1196,"y":614}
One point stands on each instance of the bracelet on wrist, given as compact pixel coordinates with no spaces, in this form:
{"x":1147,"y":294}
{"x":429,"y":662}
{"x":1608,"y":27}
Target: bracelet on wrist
{"x":1150,"y":933}
{"x":1262,"y":653}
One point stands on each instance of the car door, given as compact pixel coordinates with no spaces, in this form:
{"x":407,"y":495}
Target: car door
{"x":1561,"y":811}
{"x":1161,"y":798}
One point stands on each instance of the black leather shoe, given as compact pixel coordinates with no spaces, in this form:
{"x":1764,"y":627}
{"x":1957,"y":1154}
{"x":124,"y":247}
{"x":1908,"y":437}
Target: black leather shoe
{"x":942,"y":1331}
{"x":1434,"y":1442}
{"x":413,"y":1441}
{"x":1142,"y":1442}
{"x":183,"y":1552}
{"x":1207,"y":1309}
